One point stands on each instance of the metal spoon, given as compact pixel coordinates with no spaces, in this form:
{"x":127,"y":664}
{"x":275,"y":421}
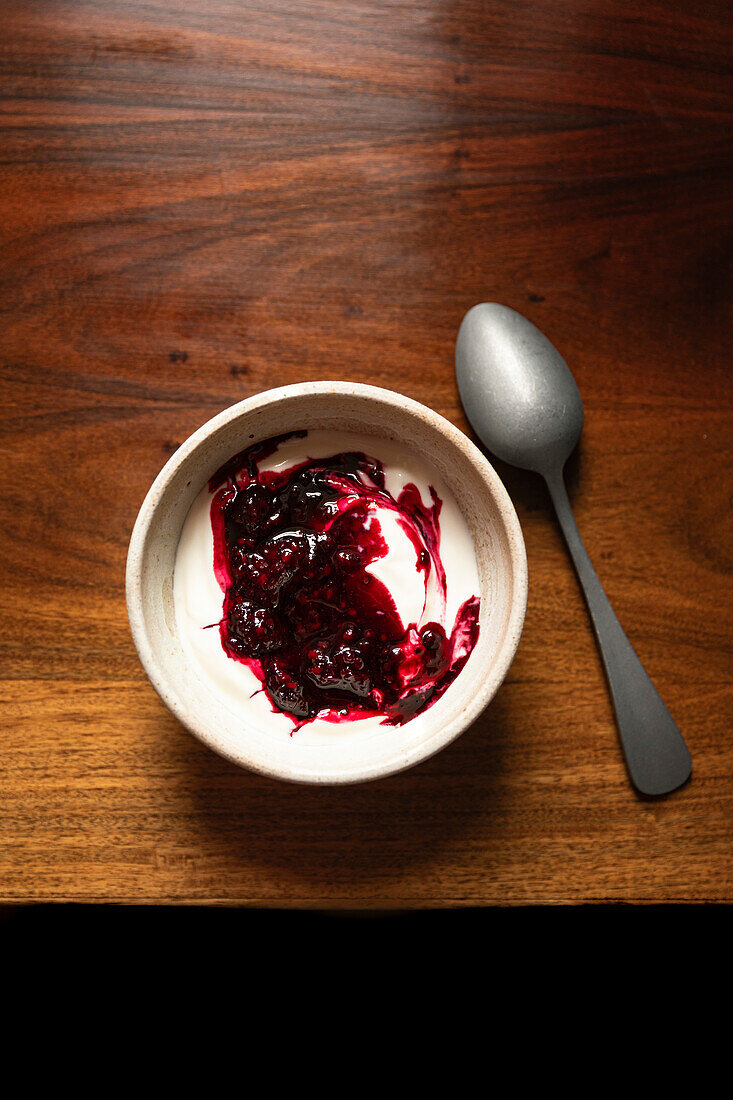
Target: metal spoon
{"x":524,"y":405}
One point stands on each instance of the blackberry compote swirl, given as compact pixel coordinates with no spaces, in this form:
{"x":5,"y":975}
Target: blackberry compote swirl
{"x":303,"y":608}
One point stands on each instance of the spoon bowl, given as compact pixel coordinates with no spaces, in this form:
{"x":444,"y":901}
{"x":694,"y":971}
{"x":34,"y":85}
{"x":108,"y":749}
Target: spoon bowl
{"x":517,"y":389}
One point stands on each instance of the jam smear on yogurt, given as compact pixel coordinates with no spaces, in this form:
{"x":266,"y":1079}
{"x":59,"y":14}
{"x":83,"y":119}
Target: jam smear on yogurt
{"x":292,"y":550}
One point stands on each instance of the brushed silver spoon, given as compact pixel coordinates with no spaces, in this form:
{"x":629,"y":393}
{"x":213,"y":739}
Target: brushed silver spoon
{"x":524,"y":405}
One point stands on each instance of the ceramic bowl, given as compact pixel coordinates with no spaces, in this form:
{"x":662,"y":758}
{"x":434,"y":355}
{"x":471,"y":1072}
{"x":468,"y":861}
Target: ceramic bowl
{"x":500,"y":554}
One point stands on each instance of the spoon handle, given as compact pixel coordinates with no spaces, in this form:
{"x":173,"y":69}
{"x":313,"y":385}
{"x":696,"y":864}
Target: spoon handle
{"x":656,"y":754}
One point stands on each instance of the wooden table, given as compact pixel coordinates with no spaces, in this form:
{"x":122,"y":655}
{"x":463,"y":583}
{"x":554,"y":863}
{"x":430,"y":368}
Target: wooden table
{"x":200,"y":201}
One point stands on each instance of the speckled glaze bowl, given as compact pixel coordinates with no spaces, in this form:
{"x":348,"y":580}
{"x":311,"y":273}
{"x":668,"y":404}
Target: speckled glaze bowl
{"x":343,"y":406}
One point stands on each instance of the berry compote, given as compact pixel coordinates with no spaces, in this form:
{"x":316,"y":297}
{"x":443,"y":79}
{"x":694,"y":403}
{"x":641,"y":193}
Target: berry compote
{"x":292,"y":551}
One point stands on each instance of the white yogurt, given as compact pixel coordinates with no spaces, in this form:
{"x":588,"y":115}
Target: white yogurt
{"x":198,"y":598}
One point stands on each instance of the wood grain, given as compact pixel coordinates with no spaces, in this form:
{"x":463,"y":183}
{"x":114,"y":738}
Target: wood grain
{"x":200,"y":201}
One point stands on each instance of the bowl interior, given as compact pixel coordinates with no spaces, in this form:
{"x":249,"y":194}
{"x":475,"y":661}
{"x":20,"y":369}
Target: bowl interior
{"x":360,"y":409}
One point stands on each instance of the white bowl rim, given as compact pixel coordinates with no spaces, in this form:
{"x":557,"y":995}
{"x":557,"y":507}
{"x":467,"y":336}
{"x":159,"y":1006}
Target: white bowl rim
{"x":503,"y":657}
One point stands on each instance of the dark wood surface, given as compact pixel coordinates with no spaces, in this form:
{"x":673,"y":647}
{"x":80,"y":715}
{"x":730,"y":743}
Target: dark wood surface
{"x":201,"y":200}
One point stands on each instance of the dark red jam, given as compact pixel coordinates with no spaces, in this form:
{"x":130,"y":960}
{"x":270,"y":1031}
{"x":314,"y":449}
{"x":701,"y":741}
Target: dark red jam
{"x":292,"y":551}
